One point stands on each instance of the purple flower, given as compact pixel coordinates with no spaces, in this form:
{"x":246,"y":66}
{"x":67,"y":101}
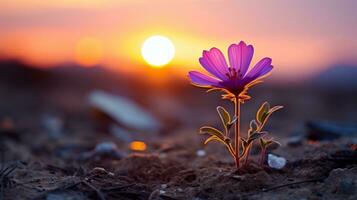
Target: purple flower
{"x":235,"y":78}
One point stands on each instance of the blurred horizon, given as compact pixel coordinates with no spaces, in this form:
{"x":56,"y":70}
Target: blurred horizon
{"x":303,"y":38}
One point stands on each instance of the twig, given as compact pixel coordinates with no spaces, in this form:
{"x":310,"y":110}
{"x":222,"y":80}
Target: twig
{"x":2,"y":158}
{"x":62,"y":187}
{"x":284,"y":185}
{"x":165,"y":196}
{"x":2,"y":191}
{"x":293,"y":183}
{"x":7,"y":171}
{"x":138,"y":195}
{"x":2,"y":161}
{"x":4,"y":179}
{"x":118,"y":187}
{"x":99,"y":193}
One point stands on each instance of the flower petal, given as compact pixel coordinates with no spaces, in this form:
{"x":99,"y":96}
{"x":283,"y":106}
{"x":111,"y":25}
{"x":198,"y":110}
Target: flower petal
{"x":215,"y":63}
{"x":240,"y":55}
{"x":261,"y":68}
{"x":202,"y":80}
{"x":265,"y":70}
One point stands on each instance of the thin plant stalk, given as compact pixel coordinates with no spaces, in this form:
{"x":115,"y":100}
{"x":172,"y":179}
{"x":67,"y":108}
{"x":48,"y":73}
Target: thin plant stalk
{"x":262,"y":156}
{"x":247,"y":156}
{"x":250,"y":146}
{"x":237,"y":133}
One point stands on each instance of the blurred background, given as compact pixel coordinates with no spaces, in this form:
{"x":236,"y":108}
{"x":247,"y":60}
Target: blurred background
{"x":75,"y":67}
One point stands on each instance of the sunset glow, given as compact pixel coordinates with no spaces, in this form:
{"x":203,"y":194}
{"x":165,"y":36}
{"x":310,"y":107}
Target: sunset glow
{"x":88,"y":52}
{"x":111,"y":33}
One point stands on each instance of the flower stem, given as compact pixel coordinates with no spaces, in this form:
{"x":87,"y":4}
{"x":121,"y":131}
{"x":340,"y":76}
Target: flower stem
{"x":236,"y":127}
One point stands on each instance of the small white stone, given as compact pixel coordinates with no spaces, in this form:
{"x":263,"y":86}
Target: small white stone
{"x":163,"y":155}
{"x":180,"y":189}
{"x":162,"y":192}
{"x":200,"y":153}
{"x":276,"y":162}
{"x":106,"y":147}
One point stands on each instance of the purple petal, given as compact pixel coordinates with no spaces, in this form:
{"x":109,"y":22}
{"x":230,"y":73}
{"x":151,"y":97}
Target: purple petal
{"x":215,"y":63}
{"x":240,"y":56}
{"x":261,"y":68}
{"x":209,"y":67}
{"x":201,"y":79}
{"x":265,"y":70}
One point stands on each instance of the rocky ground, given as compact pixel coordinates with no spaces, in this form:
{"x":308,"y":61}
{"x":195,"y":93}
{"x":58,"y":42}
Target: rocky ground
{"x":54,"y":170}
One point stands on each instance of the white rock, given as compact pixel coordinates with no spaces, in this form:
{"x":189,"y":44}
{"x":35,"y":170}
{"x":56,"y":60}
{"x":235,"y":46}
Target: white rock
{"x":106,"y":147}
{"x":124,"y":111}
{"x":162,"y":155}
{"x":200,"y":153}
{"x":53,"y":125}
{"x":276,"y":162}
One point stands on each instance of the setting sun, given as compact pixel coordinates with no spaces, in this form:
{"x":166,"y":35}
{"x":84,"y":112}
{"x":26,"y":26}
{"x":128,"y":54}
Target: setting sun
{"x":158,"y":50}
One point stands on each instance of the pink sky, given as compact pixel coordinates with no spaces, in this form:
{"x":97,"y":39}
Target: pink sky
{"x":302,"y":37}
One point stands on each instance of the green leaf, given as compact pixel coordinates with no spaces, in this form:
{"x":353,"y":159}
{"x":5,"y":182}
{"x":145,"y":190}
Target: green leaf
{"x":233,"y":121}
{"x":244,"y":142}
{"x":226,"y":142}
{"x":262,"y":112}
{"x":245,"y":147}
{"x":270,"y":142}
{"x":262,"y":142}
{"x":275,"y":108}
{"x":253,"y":127}
{"x":257,"y":135}
{"x":212,"y":138}
{"x":224,"y":115}
{"x":269,"y":113}
{"x":212,"y":131}
{"x":265,"y":143}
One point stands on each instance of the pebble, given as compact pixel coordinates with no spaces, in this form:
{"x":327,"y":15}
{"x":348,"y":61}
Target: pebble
{"x":201,"y":153}
{"x":329,"y":130}
{"x":295,"y":140}
{"x":106,"y":147}
{"x":162,"y":155}
{"x":238,"y":177}
{"x":53,"y":125}
{"x":102,"y":149}
{"x":276,"y":162}
{"x":124,"y":111}
{"x":342,"y":181}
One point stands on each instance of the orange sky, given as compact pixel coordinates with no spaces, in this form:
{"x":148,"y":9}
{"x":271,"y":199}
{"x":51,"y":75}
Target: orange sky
{"x":302,"y":36}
